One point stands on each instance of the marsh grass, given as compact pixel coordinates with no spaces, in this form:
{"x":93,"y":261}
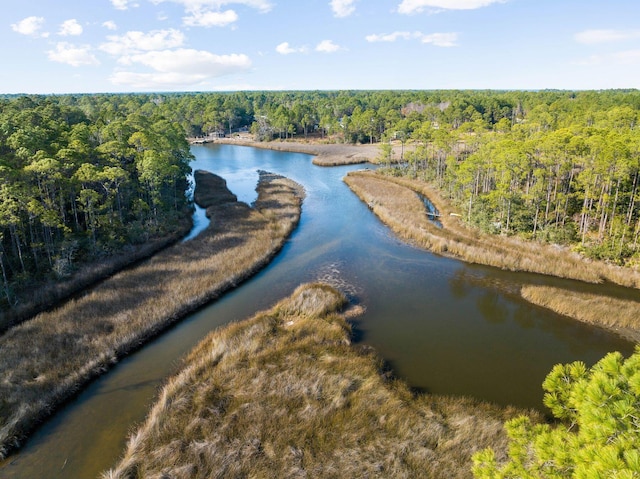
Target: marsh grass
{"x":284,"y":394}
{"x":45,"y":360}
{"x":46,"y":294}
{"x":394,"y":201}
{"x":620,"y":315}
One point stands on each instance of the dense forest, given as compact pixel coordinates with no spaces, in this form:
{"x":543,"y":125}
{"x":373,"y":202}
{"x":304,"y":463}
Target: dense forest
{"x":81,"y":176}
{"x":80,"y":181}
{"x":556,"y":166}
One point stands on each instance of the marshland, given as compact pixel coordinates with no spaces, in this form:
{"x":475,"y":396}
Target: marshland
{"x":72,"y":344}
{"x":339,"y":241}
{"x":442,"y":330}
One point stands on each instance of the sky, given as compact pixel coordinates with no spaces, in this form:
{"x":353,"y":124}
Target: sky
{"x":99,"y":46}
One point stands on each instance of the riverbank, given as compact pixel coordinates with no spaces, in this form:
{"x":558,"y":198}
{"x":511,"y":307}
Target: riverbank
{"x":286,"y":394}
{"x":325,"y":154}
{"x":619,"y":315}
{"x":44,"y":361}
{"x":395,"y":202}
{"x":42,"y":297}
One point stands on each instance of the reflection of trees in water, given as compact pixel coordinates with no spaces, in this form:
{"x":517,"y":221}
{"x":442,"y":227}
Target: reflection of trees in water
{"x":471,"y":277}
{"x":493,"y":309}
{"x":499,"y":299}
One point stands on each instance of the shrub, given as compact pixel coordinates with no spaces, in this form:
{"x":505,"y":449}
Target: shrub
{"x":598,"y":435}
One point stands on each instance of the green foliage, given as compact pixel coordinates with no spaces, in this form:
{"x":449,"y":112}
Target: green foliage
{"x":74,"y":176}
{"x":599,"y":431}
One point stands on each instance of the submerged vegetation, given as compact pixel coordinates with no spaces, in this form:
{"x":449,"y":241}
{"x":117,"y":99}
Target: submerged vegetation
{"x":45,"y":360}
{"x":285,"y":394}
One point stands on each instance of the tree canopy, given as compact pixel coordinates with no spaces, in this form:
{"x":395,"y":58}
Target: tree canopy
{"x":598,"y":436}
{"x":82,"y":179}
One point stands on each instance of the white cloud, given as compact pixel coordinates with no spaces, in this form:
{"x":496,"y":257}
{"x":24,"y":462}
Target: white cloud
{"x":437,"y":39}
{"x":110,"y":25}
{"x":327,"y":46}
{"x":123,"y":4}
{"x":180,"y":67}
{"x":417,"y":6}
{"x":192,"y":61}
{"x":590,"y":37}
{"x":70,"y":28}
{"x":29,"y":26}
{"x":440,"y":39}
{"x":72,"y":55}
{"x":388,"y":37}
{"x":343,"y":8}
{"x":210,"y":19}
{"x":135,"y":42}
{"x":208,"y":13}
{"x":194,"y":6}
{"x":285,"y":49}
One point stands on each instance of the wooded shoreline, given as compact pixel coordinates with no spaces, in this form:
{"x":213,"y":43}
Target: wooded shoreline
{"x":407,"y":219}
{"x":395,"y":202}
{"x":81,"y":339}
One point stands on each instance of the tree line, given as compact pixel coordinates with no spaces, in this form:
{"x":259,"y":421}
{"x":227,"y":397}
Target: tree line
{"x":83,"y":175}
{"x":80,"y":180}
{"x":556,"y":166}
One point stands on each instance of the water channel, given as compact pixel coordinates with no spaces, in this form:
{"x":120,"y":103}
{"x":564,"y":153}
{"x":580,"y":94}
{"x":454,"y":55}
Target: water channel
{"x":443,"y":326}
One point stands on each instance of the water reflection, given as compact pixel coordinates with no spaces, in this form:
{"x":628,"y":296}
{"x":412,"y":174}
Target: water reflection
{"x":444,"y":326}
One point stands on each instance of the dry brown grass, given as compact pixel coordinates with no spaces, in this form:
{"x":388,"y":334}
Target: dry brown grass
{"x":394,"y":201}
{"x":286,"y":395}
{"x":45,"y":360}
{"x":620,"y":315}
{"x":44,"y":296}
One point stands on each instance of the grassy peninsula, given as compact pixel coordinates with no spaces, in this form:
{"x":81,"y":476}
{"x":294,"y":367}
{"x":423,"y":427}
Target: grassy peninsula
{"x":45,"y":360}
{"x":619,"y":315}
{"x":396,"y":202}
{"x":285,"y":394}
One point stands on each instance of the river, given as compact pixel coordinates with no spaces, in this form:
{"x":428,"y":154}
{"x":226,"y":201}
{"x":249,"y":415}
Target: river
{"x":443,"y":326}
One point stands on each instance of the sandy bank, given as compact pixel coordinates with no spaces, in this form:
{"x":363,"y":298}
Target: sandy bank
{"x":70,"y":345}
{"x":285,"y":394}
{"x":326,"y":154}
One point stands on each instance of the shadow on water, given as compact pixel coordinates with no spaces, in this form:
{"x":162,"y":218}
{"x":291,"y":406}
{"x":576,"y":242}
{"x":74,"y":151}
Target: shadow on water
{"x":443,"y":326}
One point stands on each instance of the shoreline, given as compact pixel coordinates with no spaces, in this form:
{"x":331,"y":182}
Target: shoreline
{"x":395,"y":203}
{"x":54,"y":295}
{"x":83,"y":338}
{"x":325,"y":154}
{"x":285,"y":393}
{"x":528,"y":257}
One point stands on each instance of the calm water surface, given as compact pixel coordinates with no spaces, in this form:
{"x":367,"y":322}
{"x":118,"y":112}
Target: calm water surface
{"x":445,"y":327}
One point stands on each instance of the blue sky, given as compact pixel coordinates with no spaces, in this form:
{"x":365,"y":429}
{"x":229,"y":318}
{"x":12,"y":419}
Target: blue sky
{"x":86,"y":46}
